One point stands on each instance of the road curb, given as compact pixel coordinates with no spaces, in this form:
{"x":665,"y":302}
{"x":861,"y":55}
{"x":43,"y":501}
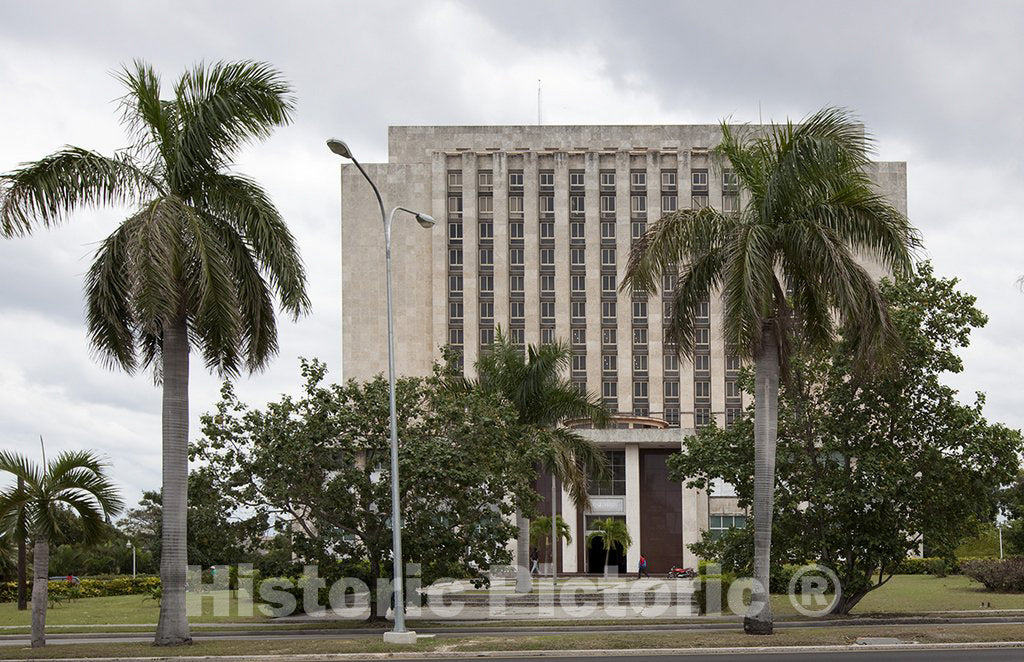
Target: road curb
{"x":623,"y":652}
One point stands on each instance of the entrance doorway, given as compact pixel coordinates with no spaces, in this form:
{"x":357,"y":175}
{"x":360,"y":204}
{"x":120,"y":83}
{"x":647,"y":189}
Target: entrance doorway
{"x":595,"y":557}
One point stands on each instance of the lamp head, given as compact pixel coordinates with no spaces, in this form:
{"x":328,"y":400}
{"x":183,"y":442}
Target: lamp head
{"x":340,"y":148}
{"x":425,"y":220}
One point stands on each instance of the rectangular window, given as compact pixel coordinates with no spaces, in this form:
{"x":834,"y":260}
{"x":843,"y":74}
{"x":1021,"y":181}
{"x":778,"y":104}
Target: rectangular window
{"x":672,"y":416}
{"x":486,"y":284}
{"x":702,"y":390}
{"x":517,"y":336}
{"x":608,"y":257}
{"x":668,"y":180}
{"x":699,"y":201}
{"x":719,"y":524}
{"x":730,"y":181}
{"x":547,"y":179}
{"x":516,"y":310}
{"x":702,"y":338}
{"x":485,"y":180}
{"x":486,"y":230}
{"x":455,"y":206}
{"x":699,"y":181}
{"x":608,"y":337}
{"x":638,"y":228}
{"x":486,"y":256}
{"x":666,"y":310}
{"x":577,"y":205}
{"x":579,"y":310}
{"x":638,"y":180}
{"x":579,"y":362}
{"x":607,"y":230}
{"x":730,"y":204}
{"x":547,"y":256}
{"x":486,"y":310}
{"x":455,"y":257}
{"x":701,"y":363}
{"x":455,"y":180}
{"x":640,"y":337}
{"x":608,"y":284}
{"x":515,"y":205}
{"x":577,"y":256}
{"x":455,"y":284}
{"x":579,"y":337}
{"x":515,"y":230}
{"x":455,"y":336}
{"x":640,"y":312}
{"x":671,"y":363}
{"x":640,"y":389}
{"x":668,"y":204}
{"x":515,"y":257}
{"x":732,"y":390}
{"x":547,"y":310}
{"x":546,"y":204}
{"x":547,"y":283}
{"x":668,"y":283}
{"x":732,"y":363}
{"x":486,"y":337}
{"x":577,"y":230}
{"x":578,"y":283}
{"x":608,"y":180}
{"x":609,"y":389}
{"x":485,"y":205}
{"x":547,"y":336}
{"x":732,"y":414}
{"x":701,"y":416}
{"x":608,"y":311}
{"x":609,"y":363}
{"x":703,"y":312}
{"x":455,"y":310}
{"x":515,"y":180}
{"x":640,"y":363}
{"x":671,"y":388}
{"x":575,"y":179}
{"x":515,"y":283}
{"x":547,"y":230}
{"x":607,"y":205}
{"x":638,"y":204}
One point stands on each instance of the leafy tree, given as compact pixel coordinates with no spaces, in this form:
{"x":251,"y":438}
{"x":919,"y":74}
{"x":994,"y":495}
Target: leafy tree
{"x":535,"y":383}
{"x":194,"y":267}
{"x":1011,"y":501}
{"x":72,"y":480}
{"x":540,"y":533}
{"x":321,"y":463}
{"x":788,"y":263}
{"x":870,"y":463}
{"x":610,"y":532}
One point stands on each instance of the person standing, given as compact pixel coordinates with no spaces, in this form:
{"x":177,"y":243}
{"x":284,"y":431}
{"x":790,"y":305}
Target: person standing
{"x":534,"y":561}
{"x":642,"y":570}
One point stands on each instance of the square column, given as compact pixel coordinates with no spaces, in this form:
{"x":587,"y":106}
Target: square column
{"x":567,"y":555}
{"x":633,"y":505}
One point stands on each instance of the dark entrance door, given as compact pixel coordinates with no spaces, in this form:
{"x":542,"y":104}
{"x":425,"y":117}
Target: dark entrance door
{"x":595,"y":558}
{"x":661,"y":513}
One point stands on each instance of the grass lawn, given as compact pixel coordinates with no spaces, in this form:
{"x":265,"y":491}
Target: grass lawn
{"x":583,"y":641}
{"x":121,"y":610}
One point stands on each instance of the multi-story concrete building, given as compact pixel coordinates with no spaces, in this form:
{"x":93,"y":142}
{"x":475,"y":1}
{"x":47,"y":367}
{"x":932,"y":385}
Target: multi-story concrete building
{"x":535,"y":229}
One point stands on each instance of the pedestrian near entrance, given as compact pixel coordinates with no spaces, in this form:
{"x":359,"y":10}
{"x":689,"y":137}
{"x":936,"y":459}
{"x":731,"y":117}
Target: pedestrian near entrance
{"x":534,"y":561}
{"x":642,"y":570}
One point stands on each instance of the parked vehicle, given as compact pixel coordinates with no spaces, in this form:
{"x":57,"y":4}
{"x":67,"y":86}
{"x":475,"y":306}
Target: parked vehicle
{"x":679,"y":572}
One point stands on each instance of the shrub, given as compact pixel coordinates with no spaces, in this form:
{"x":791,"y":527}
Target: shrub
{"x":60,"y":590}
{"x":934,"y":565}
{"x":997,"y":575}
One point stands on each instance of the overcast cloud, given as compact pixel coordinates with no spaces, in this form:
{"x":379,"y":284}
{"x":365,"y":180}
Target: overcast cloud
{"x":938,"y":84}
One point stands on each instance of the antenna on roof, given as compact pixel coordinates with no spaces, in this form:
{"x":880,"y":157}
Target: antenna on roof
{"x":539,"y":117}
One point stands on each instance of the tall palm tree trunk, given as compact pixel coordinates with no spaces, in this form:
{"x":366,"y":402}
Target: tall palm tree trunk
{"x":173,"y":626}
{"x":524,"y":580}
{"x":766,"y":392}
{"x":554,"y":529}
{"x":607,"y":554}
{"x":40,"y":586}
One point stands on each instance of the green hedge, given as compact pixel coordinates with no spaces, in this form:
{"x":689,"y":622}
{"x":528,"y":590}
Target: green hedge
{"x":89,"y":588}
{"x":997,"y":575}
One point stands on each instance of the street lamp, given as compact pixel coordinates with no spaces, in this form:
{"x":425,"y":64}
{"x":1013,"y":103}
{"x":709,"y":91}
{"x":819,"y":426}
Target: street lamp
{"x":399,"y":634}
{"x":130,"y":544}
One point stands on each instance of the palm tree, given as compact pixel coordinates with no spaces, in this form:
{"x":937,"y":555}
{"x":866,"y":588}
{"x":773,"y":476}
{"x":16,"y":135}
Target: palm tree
{"x":72,"y":481}
{"x":788,"y":262}
{"x":534,"y":382}
{"x":540,"y":533}
{"x":610,"y":532}
{"x":196,"y":265}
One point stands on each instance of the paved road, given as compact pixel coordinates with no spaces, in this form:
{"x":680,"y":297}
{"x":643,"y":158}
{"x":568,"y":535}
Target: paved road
{"x":966,"y":655}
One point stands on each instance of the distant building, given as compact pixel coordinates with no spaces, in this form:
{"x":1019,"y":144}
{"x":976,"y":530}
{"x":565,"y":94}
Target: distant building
{"x":535,"y":225}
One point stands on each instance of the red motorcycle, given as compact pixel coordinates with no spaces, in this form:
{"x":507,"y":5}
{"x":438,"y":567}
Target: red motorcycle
{"x":679,"y":572}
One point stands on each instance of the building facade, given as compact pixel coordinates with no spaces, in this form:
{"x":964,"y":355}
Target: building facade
{"x":535,"y":226}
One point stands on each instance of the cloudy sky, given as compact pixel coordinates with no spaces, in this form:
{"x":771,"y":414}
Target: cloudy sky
{"x":938,"y":84}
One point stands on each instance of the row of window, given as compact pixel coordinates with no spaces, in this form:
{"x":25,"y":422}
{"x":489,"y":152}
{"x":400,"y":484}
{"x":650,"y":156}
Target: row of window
{"x":578,"y":205}
{"x":637,"y":180}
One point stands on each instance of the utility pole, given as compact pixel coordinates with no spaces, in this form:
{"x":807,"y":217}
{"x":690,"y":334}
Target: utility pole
{"x":19,"y":530}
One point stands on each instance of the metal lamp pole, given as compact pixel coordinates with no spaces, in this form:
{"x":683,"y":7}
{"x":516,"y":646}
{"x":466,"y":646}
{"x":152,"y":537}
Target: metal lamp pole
{"x":426,"y":221}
